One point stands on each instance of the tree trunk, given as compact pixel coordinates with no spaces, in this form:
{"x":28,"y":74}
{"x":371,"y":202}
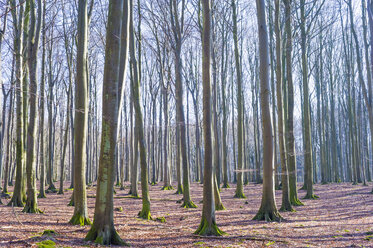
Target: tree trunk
{"x":103,"y":230}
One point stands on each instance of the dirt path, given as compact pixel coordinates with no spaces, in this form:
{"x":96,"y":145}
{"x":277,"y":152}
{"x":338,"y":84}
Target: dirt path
{"x":343,"y":217}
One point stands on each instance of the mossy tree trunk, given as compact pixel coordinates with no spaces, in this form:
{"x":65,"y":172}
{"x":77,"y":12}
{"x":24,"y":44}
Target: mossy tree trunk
{"x":42,"y":95}
{"x":177,"y":26}
{"x":18,"y":16}
{"x":286,"y":205}
{"x":103,"y":230}
{"x":306,"y":109}
{"x":208,"y":225}
{"x":268,"y":209}
{"x":80,"y":216}
{"x":291,"y":156}
{"x":135,"y":88}
{"x":33,"y":46}
{"x":239,"y":189}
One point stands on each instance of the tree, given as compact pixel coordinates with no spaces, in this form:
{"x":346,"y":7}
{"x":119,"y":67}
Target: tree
{"x":19,"y":190}
{"x":268,"y":209}
{"x":239,"y":189}
{"x":177,"y":26}
{"x":208,"y":225}
{"x":80,"y":216}
{"x":291,"y":156}
{"x":102,"y":230}
{"x":33,"y":47}
{"x":286,"y":204}
{"x":135,"y":87}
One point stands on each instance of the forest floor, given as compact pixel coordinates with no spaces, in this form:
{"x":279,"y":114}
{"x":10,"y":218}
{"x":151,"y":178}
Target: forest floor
{"x":342,"y":217}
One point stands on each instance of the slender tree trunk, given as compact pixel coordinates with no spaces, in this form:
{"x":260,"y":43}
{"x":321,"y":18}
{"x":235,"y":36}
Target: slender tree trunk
{"x":208,"y":225}
{"x":103,"y":230}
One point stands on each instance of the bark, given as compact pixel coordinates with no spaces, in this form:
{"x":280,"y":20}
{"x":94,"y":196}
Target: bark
{"x":80,"y":216}
{"x":268,"y":209}
{"x":103,"y":230}
{"x":19,"y":193}
{"x":239,"y":189}
{"x":291,"y":156}
{"x":208,"y":225}
{"x":33,"y":45}
{"x":286,"y":205}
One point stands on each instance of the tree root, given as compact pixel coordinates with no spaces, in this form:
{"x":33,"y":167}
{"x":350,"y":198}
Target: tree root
{"x":219,"y":207}
{"x":240,"y":195}
{"x":179,"y":190}
{"x":296,"y":202}
{"x":79,"y":219}
{"x":32,"y":210}
{"x":145,"y":214}
{"x":189,"y":204}
{"x":16,"y":202}
{"x":167,"y":187}
{"x":268,"y":216}
{"x":287,"y":208}
{"x":205,"y":229}
{"x":226,"y":186}
{"x":312,"y":197}
{"x":105,"y":236}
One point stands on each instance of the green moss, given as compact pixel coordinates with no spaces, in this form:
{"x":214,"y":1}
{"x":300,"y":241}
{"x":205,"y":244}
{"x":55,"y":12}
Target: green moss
{"x":79,"y":219}
{"x":49,"y":232}
{"x":120,"y":209}
{"x":205,"y":230}
{"x":226,"y":186}
{"x":167,"y":188}
{"x":369,"y":238}
{"x":268,"y":215}
{"x":46,"y":244}
{"x":161,"y":219}
{"x":189,"y":204}
{"x":311,"y":197}
{"x":239,"y":195}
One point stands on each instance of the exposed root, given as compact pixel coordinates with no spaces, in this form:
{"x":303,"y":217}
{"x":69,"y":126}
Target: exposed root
{"x":226,"y":186}
{"x":42,"y":195}
{"x":205,"y":229}
{"x":32,"y":210}
{"x":167,"y":187}
{"x":179,"y":190}
{"x":16,"y":202}
{"x":268,"y":216}
{"x":287,"y":208}
{"x":145,"y":214}
{"x":79,"y":219}
{"x":105,"y":236}
{"x":51,"y":189}
{"x":240,"y":195}
{"x":311,"y":197}
{"x":189,"y":204}
{"x":219,"y":207}
{"x":296,"y":202}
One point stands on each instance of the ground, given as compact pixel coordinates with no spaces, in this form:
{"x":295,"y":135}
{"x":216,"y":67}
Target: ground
{"x":342,"y":217}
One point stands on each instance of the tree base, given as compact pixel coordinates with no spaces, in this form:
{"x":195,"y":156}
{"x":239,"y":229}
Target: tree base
{"x":179,"y":190}
{"x":5,"y":195}
{"x":42,"y":195}
{"x":205,"y":230}
{"x":240,"y":195}
{"x":51,"y":189}
{"x":268,"y":216}
{"x":219,"y":207}
{"x":189,"y":204}
{"x":32,"y":210}
{"x":79,"y":219}
{"x":145,"y":214}
{"x":312,"y":197}
{"x":296,"y":202}
{"x":304,"y":187}
{"x":226,"y":186}
{"x":287,"y":208}
{"x":167,"y":187}
{"x":105,"y":236}
{"x":16,"y":202}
